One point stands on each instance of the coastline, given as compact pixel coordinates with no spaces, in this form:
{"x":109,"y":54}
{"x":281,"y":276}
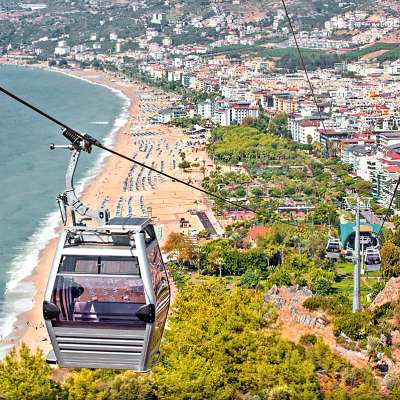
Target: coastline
{"x":169,"y":201}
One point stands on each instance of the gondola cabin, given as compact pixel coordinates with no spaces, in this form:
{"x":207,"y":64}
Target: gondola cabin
{"x":107,"y":298}
{"x":333,"y":248}
{"x":348,"y":255}
{"x":372,"y":259}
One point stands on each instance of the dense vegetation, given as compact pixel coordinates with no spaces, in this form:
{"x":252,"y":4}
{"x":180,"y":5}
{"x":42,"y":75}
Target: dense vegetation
{"x":222,"y":340}
{"x":246,"y":144}
{"x":272,"y":171}
{"x":356,"y":54}
{"x":287,"y":57}
{"x":220,"y":344}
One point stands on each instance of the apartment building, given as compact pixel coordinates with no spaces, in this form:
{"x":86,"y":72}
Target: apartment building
{"x":305,"y":131}
{"x":206,"y":109}
{"x":285,"y":103}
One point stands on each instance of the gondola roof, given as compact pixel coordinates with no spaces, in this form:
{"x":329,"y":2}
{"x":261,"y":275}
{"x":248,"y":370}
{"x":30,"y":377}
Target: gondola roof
{"x":134,"y":223}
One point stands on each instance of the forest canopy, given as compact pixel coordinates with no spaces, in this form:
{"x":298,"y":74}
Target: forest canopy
{"x":221,"y":343}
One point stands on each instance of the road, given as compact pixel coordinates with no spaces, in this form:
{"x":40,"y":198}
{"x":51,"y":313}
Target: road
{"x":205,"y":221}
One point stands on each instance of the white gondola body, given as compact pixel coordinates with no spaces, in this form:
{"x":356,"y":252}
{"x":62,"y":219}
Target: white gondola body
{"x":107,"y":297}
{"x":372,"y":259}
{"x":333,"y":248}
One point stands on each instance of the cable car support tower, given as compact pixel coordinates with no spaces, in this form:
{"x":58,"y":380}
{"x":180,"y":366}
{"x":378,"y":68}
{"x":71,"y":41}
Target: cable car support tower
{"x":362,"y":204}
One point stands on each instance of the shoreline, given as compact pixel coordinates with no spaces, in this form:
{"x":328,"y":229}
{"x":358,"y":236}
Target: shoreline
{"x":20,"y":323}
{"x":110,"y":172}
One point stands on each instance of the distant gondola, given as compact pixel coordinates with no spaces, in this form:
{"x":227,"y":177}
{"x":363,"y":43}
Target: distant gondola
{"x":372,"y":259}
{"x":349,"y":254}
{"x":333,"y":248}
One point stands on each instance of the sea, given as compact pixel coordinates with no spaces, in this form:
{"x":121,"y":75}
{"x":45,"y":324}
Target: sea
{"x":31,"y":175}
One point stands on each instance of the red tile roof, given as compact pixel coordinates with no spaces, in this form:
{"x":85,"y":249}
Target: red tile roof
{"x":393,"y":155}
{"x":255,"y":232}
{"x":392,"y":169}
{"x":309,"y":123}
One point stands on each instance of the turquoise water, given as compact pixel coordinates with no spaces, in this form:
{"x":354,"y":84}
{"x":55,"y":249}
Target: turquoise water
{"x":31,"y":175}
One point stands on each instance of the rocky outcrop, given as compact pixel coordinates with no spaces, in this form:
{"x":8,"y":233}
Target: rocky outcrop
{"x":289,"y":300}
{"x":389,"y":293}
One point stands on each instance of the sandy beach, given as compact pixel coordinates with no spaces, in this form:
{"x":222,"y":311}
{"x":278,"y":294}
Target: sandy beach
{"x":127,"y":189}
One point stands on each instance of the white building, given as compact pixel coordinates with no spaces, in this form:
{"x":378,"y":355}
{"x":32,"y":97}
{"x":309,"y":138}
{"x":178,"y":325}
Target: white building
{"x":62,"y":49}
{"x":239,"y":112}
{"x":305,"y":131}
{"x":222,"y":117}
{"x":167,"y":42}
{"x":234,"y":92}
{"x":80,"y":48}
{"x":157,"y":19}
{"x":205,"y":110}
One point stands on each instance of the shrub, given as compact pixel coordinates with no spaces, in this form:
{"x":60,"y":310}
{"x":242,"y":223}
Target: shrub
{"x":24,"y":375}
{"x":355,"y":325}
{"x":250,"y":279}
{"x":314,"y":303}
{"x":322,"y":285}
{"x":308,"y":339}
{"x":334,"y":305}
{"x":280,"y":278}
{"x":376,"y":288}
{"x":184,"y":165}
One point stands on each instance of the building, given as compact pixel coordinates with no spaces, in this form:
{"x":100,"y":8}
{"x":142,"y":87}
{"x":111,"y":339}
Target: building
{"x":238,"y":112}
{"x":363,"y":159}
{"x":285,"y":103}
{"x":387,"y":138}
{"x":157,"y":19}
{"x":206,"y":109}
{"x":238,"y":93}
{"x":62,"y":49}
{"x":384,"y":182}
{"x":168,"y":114}
{"x":305,"y":131}
{"x":221,"y":117}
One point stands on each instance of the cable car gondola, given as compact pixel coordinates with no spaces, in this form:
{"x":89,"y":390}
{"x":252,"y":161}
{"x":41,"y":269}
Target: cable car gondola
{"x":349,"y":254}
{"x":372,"y":259}
{"x":333,"y":248}
{"x":107,"y":297}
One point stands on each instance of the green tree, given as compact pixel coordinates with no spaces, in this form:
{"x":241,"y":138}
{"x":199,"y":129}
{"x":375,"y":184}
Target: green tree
{"x":250,"y":279}
{"x":363,"y":187}
{"x":390,"y":254}
{"x":222,"y":344}
{"x":278,"y":125}
{"x":179,"y":247}
{"x":24,"y":375}
{"x":325,"y":213}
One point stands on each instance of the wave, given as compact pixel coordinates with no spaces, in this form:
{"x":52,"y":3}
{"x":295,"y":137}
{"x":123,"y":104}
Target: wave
{"x":100,"y":122}
{"x":20,"y":290}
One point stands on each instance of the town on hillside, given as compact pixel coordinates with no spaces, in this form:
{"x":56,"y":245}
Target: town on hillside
{"x":273,"y":187}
